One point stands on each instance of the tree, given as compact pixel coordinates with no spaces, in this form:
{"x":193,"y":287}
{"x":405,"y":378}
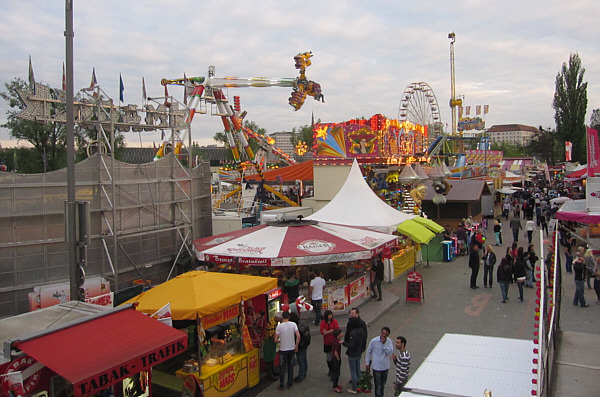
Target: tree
{"x":47,"y":139}
{"x":570,"y":104}
{"x":546,"y":146}
{"x":595,"y":119}
{"x":508,"y":149}
{"x":303,"y":134}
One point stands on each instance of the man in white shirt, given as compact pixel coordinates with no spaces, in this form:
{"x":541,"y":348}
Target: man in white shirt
{"x":315,"y":291}
{"x":288,"y":337}
{"x":378,"y":358}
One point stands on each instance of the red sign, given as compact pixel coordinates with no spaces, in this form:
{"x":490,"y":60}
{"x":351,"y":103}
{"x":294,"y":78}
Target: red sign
{"x":273,"y":294}
{"x":105,"y":379}
{"x":414,"y":287}
{"x":17,"y":366}
{"x":220,"y":317}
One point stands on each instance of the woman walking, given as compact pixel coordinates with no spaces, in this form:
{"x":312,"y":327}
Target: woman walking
{"x":497,"y":231}
{"x":590,"y":264}
{"x":531,"y":261}
{"x":520,"y":275}
{"x":504,"y":274}
{"x":489,"y":260}
{"x":327,"y":326}
{"x":530,"y":228}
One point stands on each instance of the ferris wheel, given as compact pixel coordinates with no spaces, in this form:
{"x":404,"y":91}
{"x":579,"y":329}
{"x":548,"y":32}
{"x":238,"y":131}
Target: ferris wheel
{"x":419,"y":105}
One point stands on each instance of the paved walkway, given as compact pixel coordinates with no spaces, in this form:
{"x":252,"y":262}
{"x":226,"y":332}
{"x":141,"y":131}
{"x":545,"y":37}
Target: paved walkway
{"x":451,"y":306}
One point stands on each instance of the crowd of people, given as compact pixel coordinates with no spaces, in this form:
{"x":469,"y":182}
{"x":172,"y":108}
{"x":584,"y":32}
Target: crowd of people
{"x":293,"y":337}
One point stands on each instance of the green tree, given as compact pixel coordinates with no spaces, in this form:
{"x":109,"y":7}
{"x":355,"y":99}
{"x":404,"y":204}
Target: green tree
{"x":595,"y":119}
{"x":508,"y":149}
{"x":570,"y":104}
{"x":545,"y":146}
{"x":47,"y":139}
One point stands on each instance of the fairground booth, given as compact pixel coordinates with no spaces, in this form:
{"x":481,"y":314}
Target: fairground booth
{"x":224,"y":316}
{"x":296,"y":248}
{"x":80,"y":349}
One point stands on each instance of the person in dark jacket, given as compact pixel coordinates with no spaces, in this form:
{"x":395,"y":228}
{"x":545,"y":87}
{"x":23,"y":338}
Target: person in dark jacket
{"x":579,"y":269}
{"x":489,"y":260}
{"x":355,"y":342}
{"x":376,"y":284}
{"x":504,"y":274}
{"x":520,"y":275}
{"x":474,"y":264}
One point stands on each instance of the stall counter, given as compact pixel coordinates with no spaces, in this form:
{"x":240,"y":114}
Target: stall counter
{"x":242,"y":371}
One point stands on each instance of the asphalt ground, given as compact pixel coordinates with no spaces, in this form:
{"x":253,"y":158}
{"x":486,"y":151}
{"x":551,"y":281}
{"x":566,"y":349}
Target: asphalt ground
{"x":451,"y":306}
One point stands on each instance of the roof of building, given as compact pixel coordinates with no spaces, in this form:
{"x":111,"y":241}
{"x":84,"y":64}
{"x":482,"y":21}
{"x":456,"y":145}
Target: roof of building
{"x":461,"y":190}
{"x":512,"y":127}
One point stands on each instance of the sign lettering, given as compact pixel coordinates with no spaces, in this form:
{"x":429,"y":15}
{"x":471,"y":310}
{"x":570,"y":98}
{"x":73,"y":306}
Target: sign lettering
{"x":114,"y":375}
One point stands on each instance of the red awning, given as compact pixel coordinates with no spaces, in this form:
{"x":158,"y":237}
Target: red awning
{"x":302,"y":171}
{"x":95,"y":354}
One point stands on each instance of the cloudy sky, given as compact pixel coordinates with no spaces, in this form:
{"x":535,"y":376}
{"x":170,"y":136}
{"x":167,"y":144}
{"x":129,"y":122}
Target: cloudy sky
{"x":507,"y":53}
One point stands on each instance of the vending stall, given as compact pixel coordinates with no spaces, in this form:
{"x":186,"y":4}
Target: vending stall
{"x":94,"y":352}
{"x":223,"y":359}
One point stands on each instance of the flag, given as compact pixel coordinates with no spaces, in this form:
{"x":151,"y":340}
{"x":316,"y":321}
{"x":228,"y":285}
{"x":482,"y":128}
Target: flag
{"x":568,"y":150}
{"x":144,"y":96}
{"x":593,"y":152}
{"x":121,"y":88}
{"x":164,"y":315}
{"x":31,"y":76}
{"x":477,"y":110}
{"x":167,"y":104}
{"x":468,"y":110}
{"x":64,"y":81}
{"x":460,"y":112}
{"x":486,"y":108}
{"x":93,"y":81}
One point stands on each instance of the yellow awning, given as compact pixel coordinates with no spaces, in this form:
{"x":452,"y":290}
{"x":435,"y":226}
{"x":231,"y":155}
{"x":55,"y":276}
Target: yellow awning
{"x":415,"y":231}
{"x":429,"y":224}
{"x":199,"y":293}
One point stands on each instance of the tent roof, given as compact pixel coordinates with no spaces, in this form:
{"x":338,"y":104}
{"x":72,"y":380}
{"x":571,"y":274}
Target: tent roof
{"x":576,"y":211}
{"x":357,"y":205}
{"x":301,"y":171}
{"x":198,"y":293}
{"x":462,"y":190}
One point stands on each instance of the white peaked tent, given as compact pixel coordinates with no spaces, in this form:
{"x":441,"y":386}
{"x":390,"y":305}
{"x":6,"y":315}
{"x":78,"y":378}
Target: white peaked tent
{"x":357,"y":205}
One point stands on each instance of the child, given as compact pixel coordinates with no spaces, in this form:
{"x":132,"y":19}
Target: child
{"x":336,"y":360}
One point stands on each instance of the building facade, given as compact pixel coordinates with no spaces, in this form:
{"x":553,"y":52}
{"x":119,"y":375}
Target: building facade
{"x":514,"y":134}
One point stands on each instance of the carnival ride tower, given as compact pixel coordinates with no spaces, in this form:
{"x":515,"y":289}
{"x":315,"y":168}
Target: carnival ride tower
{"x":454,"y":102}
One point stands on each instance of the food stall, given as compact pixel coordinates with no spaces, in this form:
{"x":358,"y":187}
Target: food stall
{"x":224,"y":360}
{"x":79,"y":349}
{"x":343,"y":253}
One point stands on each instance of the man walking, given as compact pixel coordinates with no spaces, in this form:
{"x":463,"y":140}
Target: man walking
{"x":376,"y":284}
{"x":402,"y":362}
{"x":378,"y":356}
{"x":288,"y":337}
{"x":355,"y":341}
{"x":315,"y":291}
{"x":474,"y":264}
{"x":515,"y":225}
{"x":305,"y":338}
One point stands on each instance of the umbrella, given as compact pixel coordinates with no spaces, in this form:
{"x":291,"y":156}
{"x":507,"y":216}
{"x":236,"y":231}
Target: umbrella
{"x":198,"y":293}
{"x":429,"y":224}
{"x":560,"y":200}
{"x":416,"y":231}
{"x":293,"y":243}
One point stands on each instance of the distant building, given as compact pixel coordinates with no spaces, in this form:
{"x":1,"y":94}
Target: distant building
{"x":515,"y":134}
{"x":283,"y":141}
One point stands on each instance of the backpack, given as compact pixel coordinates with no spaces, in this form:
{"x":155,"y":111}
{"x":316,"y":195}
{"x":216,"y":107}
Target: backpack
{"x":304,"y":335}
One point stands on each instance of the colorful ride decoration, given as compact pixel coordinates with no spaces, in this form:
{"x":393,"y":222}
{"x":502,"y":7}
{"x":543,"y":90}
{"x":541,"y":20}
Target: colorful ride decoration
{"x":378,"y":139}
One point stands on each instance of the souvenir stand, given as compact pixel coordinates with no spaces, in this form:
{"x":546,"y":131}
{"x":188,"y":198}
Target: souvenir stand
{"x":224,"y":360}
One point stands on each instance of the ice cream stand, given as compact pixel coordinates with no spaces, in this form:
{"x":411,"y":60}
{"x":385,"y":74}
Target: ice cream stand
{"x":226,"y":361}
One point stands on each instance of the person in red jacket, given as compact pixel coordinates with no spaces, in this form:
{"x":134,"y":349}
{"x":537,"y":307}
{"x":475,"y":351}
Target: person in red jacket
{"x":328,"y":325}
